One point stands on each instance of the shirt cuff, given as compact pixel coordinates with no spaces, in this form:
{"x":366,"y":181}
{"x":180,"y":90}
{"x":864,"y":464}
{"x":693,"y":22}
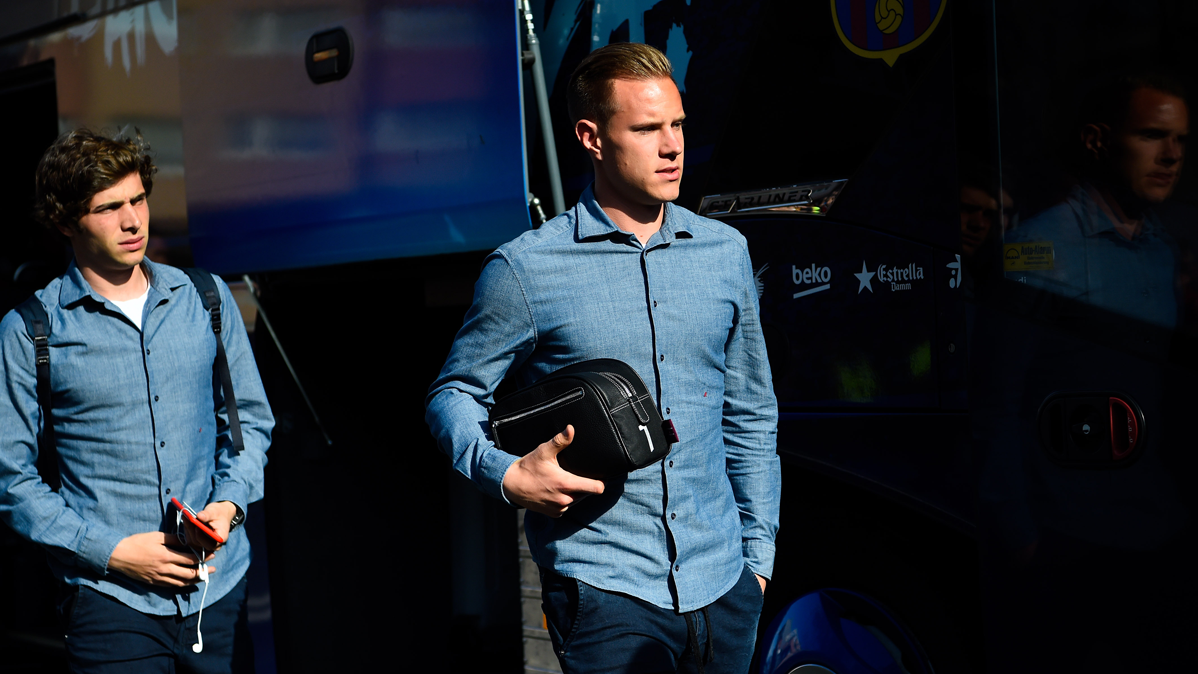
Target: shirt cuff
{"x":494,"y":466}
{"x":759,"y":557}
{"x":234,"y":492}
{"x":95,"y":549}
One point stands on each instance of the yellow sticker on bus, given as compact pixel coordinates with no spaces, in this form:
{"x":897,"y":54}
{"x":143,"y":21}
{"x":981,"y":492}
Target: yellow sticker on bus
{"x":1027,"y":256}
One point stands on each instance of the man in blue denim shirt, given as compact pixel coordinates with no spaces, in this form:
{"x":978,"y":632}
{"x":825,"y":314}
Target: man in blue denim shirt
{"x":663,"y":569}
{"x":139,"y":419}
{"x":1109,"y":249}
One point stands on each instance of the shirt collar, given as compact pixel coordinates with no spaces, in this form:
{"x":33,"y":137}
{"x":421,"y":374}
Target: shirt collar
{"x":674,"y":224}
{"x":1100,"y":220}
{"x":74,"y":287}
{"x":163,"y":281}
{"x":593,"y":221}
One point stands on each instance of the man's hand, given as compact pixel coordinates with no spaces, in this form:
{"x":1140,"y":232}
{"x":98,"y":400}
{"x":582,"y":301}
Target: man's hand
{"x":218,"y":517}
{"x":762,"y":582}
{"x":538,"y":483}
{"x":150,"y":558}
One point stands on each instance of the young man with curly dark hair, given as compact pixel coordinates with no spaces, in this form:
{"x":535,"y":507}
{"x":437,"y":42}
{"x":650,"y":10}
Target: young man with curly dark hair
{"x":138,"y":419}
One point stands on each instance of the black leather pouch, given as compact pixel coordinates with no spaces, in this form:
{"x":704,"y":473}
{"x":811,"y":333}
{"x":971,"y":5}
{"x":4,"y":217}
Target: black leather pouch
{"x":617,"y":428}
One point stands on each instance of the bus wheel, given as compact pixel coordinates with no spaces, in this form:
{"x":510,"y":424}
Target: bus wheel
{"x":837,"y":631}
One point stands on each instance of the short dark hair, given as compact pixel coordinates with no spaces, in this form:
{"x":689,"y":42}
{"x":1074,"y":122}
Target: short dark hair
{"x":1110,"y":101}
{"x":81,"y":164}
{"x":590,"y":94}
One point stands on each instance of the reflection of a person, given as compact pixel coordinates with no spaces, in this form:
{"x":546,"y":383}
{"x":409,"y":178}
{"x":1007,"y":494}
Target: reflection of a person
{"x":979,"y":213}
{"x":1072,"y":529}
{"x":1110,"y":249}
{"x":983,"y":222}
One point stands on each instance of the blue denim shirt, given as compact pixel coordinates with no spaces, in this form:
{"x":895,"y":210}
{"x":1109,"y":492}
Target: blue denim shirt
{"x":1094,"y":264}
{"x":682,"y":311}
{"x":139,"y":418}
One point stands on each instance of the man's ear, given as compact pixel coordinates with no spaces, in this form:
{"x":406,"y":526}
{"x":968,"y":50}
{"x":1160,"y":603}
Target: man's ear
{"x":1096,"y":138}
{"x":587,"y":133}
{"x":65,"y":230}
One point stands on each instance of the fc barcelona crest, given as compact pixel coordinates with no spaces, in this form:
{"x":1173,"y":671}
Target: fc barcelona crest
{"x":885,"y":29}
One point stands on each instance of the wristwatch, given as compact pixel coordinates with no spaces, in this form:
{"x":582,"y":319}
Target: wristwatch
{"x":238,"y":518}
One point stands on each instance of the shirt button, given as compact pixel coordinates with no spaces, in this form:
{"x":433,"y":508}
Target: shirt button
{"x":162,"y":444}
{"x":655,"y":303}
{"x":673,"y":516}
{"x":667,"y":410}
{"x":155,"y":398}
{"x":661,"y":358}
{"x":677,"y":567}
{"x":671,"y":464}
{"x":147,"y":352}
{"x":168,"y":490}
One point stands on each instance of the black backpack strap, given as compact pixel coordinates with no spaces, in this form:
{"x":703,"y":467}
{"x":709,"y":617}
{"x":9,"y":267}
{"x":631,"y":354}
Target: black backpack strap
{"x":37,"y":324}
{"x":210,"y":297}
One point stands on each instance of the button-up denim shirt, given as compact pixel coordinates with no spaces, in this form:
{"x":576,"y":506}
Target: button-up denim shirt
{"x":1095,"y":264}
{"x":139,"y":418}
{"x":682,"y":311}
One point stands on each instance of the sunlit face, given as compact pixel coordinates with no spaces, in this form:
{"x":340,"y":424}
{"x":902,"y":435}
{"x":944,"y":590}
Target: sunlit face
{"x":112,"y":235}
{"x":979,"y":214}
{"x":1147,"y":151}
{"x":641,"y":145}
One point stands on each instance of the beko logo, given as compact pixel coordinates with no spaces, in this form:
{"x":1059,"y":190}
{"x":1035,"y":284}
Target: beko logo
{"x":899,"y":278}
{"x":810,"y":275}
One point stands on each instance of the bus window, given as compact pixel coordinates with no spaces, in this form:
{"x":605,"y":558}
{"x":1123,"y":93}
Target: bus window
{"x":1083,"y":218}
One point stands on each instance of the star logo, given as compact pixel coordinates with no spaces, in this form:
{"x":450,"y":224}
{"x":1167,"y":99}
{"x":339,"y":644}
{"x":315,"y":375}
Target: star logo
{"x":865,"y":277}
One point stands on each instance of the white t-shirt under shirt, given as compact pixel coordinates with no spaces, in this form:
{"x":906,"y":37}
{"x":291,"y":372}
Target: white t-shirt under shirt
{"x":133,"y":308}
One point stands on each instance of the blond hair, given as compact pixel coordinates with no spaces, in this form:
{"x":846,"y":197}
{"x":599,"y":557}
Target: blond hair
{"x":591,"y":94}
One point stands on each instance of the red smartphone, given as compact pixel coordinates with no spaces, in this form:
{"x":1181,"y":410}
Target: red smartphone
{"x":191,"y":517}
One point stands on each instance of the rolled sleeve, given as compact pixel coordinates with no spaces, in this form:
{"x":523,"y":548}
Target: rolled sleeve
{"x":750,"y":424}
{"x":239,"y":478}
{"x":498,"y":334}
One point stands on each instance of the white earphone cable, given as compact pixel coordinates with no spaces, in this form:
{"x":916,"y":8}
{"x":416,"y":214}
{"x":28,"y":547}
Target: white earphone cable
{"x":202,"y":570}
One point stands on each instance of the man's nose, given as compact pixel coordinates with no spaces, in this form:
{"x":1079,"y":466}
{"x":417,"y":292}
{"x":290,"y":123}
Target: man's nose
{"x":130,"y":219}
{"x":672,"y":143}
{"x":1173,"y":151}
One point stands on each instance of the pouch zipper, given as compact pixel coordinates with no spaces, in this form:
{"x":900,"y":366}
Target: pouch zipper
{"x":627,"y":389}
{"x":621,"y":383}
{"x":562,"y":399}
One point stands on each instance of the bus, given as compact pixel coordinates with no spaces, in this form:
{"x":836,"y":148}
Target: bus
{"x":974,"y":245}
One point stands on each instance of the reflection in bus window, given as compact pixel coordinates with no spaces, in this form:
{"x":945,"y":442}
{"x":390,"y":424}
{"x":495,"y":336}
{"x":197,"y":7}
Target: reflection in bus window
{"x":1079,"y":403}
{"x":984,"y":219}
{"x":1104,"y":244}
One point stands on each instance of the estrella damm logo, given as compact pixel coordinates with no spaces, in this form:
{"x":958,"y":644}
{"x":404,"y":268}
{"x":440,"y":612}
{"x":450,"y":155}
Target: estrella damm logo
{"x":884,"y":29}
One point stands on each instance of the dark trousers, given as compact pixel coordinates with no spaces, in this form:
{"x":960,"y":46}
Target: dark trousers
{"x":105,"y":637}
{"x":596,"y":631}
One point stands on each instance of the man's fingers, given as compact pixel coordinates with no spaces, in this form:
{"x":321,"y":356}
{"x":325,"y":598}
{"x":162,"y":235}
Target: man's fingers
{"x":583,"y":486}
{"x":178,"y":557}
{"x":554,"y":510}
{"x":561,"y":441}
{"x":179,"y":576}
{"x":157,"y":558}
{"x":198,"y":538}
